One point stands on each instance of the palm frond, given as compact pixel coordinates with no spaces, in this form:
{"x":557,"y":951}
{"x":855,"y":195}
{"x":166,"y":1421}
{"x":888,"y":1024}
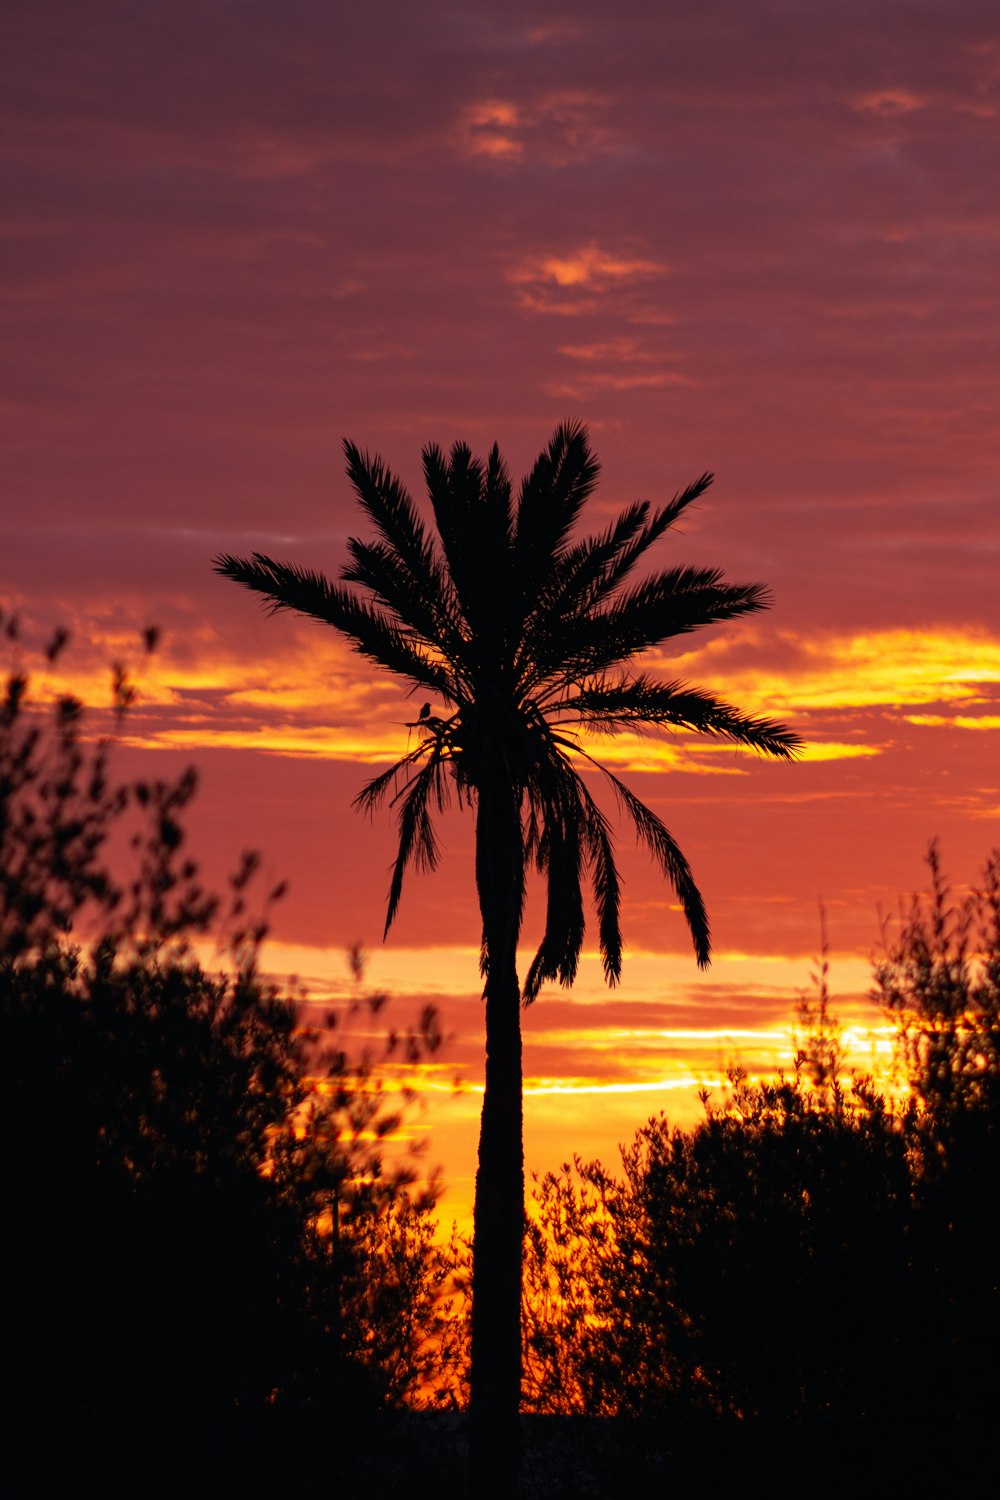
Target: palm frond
{"x":451,"y":486}
{"x":607,"y":885}
{"x":681,"y":600}
{"x":372,"y":633}
{"x":576,"y":584}
{"x":660,"y":522}
{"x":560,"y":855}
{"x":385,"y":500}
{"x":662,"y":846}
{"x":587,"y":574}
{"x":550,"y":501}
{"x":641,"y":702}
{"x":581,"y":568}
{"x":497,"y":496}
{"x":472,"y":509}
{"x":417,"y":840}
{"x":374,"y":793}
{"x":580,"y":579}
{"x":375,"y":566}
{"x":671,"y":604}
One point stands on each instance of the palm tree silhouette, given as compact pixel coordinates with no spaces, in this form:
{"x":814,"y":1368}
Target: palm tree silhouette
{"x":528,"y":637}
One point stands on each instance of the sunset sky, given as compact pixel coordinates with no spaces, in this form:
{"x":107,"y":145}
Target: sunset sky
{"x":758,"y":237}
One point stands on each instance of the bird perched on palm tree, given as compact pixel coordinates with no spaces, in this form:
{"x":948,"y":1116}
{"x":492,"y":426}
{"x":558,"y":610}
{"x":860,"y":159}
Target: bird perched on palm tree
{"x":530,"y":638}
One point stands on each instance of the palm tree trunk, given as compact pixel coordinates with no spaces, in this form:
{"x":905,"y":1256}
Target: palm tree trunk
{"x":494,"y":1437}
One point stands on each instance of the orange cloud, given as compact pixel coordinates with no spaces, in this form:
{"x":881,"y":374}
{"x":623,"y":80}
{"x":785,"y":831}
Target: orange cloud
{"x":309,"y":696}
{"x":610,"y":364}
{"x":558,"y":126}
{"x":889,"y":104}
{"x":822,"y":750}
{"x":586,"y":387}
{"x":489,"y":129}
{"x":577,"y":279}
{"x":587,"y":266}
{"x":887,"y":668}
{"x":956,"y":721}
{"x":625,"y":350}
{"x":279,"y":739}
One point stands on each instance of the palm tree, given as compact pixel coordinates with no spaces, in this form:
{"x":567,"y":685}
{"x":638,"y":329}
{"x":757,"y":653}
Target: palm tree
{"x":528,"y":639}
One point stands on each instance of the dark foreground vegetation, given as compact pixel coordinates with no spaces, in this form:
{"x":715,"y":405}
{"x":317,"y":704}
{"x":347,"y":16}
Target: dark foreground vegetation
{"x":211,"y":1265}
{"x":813,"y":1250}
{"x":217,"y":1283}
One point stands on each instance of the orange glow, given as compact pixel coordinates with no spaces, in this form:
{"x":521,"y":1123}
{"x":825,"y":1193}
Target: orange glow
{"x":589,"y":265}
{"x":557,"y":126}
{"x":487,"y":129}
{"x":956,"y":721}
{"x":625,"y":350}
{"x":590,"y":1076}
{"x":887,"y":668}
{"x":311,"y":696}
{"x":889,"y":104}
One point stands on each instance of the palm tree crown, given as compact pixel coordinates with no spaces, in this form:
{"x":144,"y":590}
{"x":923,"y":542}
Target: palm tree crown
{"x":527,"y":637}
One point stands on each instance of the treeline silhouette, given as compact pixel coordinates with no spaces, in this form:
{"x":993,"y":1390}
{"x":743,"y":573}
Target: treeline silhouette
{"x":212,"y":1264}
{"x":816,"y":1262}
{"x":215,"y":1275}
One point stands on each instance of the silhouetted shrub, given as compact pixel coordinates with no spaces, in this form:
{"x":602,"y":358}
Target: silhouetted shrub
{"x":728,"y":1270}
{"x":171,"y":1290}
{"x":938,"y":978}
{"x":812,"y":1253}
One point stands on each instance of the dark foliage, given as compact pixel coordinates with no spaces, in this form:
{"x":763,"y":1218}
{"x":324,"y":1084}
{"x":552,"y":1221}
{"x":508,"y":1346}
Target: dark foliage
{"x":938,"y":977}
{"x":813,"y":1257}
{"x":173,"y":1297}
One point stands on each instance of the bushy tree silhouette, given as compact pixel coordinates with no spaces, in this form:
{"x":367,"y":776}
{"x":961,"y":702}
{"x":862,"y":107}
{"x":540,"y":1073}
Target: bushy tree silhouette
{"x":719,"y":1275}
{"x":528,"y":638}
{"x":170,"y":1287}
{"x":814,"y":1262}
{"x":938,"y":978}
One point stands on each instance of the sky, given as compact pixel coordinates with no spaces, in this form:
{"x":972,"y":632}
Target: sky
{"x":757,"y":237}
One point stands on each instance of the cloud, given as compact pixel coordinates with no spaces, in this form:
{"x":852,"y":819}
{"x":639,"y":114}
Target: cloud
{"x":491,"y":128}
{"x":822,"y":750}
{"x":890,"y":668}
{"x":587,"y":388}
{"x":574,"y":280}
{"x":889,"y":104}
{"x":559,"y":127}
{"x":619,"y":364}
{"x":623,"y":349}
{"x":587,"y":266}
{"x":955,"y":721}
{"x":290,"y":688}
